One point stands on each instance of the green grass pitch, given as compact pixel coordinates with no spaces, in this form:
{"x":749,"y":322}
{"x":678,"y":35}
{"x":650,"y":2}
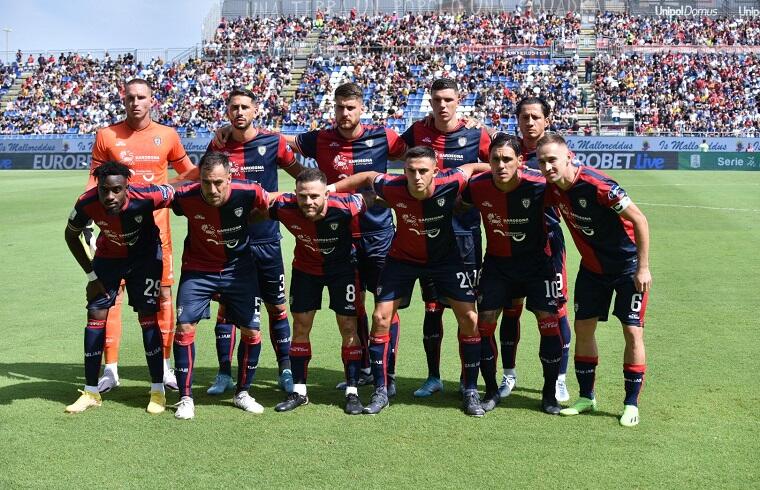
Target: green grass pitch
{"x":699,"y":408}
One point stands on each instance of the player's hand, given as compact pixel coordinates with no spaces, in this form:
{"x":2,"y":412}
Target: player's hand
{"x":642,"y":280}
{"x":95,"y":288}
{"x":471,"y":123}
{"x":221,"y":135}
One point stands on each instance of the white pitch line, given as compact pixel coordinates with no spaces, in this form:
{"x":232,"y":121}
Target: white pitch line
{"x":732,"y":184}
{"x":699,"y":207}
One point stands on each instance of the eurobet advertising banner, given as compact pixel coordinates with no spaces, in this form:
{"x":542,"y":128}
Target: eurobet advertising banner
{"x":718,"y":161}
{"x":628,"y":160}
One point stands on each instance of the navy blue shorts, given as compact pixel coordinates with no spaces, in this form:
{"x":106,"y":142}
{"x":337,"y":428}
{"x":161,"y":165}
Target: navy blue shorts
{"x":504,"y":279}
{"x":142,"y":277}
{"x":306,"y":291}
{"x":270,"y":271}
{"x":237,"y":290}
{"x":471,"y":253}
{"x":449,"y":279}
{"x":371,"y":251}
{"x":593,"y":296}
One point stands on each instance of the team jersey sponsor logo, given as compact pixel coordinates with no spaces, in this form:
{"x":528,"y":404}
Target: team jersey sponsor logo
{"x":401,"y":205}
{"x":334,"y":145}
{"x":487,"y":204}
{"x":120,"y":143}
{"x":102,"y":223}
{"x":462,"y":141}
{"x":262,"y":150}
{"x":295,"y":227}
{"x":199,"y":216}
{"x":427,"y":140}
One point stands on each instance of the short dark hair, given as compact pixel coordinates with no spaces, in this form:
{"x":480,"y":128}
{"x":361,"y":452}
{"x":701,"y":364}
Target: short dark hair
{"x":111,"y":168}
{"x":545,"y":108}
{"x":550,"y":138}
{"x":240,"y":91}
{"x":139,"y":81}
{"x":445,"y":83}
{"x":311,"y":175}
{"x":349,"y":90}
{"x":503,"y":139}
{"x":213,"y":158}
{"x":420,"y":152}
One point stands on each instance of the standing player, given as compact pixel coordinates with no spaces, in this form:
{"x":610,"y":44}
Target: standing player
{"x":147,"y":149}
{"x":454,"y":144}
{"x":349,"y":148}
{"x":217,"y":260}
{"x":517,"y":264}
{"x":612,"y":236}
{"x":129,"y":249}
{"x":533,"y":119}
{"x":256,"y":155}
{"x":323,"y":257}
{"x":423,"y":248}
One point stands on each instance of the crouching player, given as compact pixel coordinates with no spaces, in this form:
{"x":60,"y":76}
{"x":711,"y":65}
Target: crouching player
{"x":216,"y":260}
{"x":612,"y":236}
{"x":511,"y":199}
{"x":423,"y":247}
{"x":129,"y":249}
{"x":321,"y":225}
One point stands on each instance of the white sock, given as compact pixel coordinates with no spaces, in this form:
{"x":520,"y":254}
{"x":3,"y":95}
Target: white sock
{"x":510,"y":372}
{"x":366,"y":370}
{"x":352,"y":390}
{"x":561,"y":377}
{"x":112,"y":368}
{"x":300,"y":389}
{"x":91,"y":389}
{"x":166,"y":365}
{"x":157,"y":387}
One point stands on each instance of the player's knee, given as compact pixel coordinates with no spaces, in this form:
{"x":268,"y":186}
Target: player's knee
{"x":488,"y":316}
{"x":585,"y":328}
{"x":97,"y":314}
{"x":514,"y":311}
{"x":250,"y":335}
{"x":185,"y":328}
{"x":634,"y":335}
{"x":487,"y":328}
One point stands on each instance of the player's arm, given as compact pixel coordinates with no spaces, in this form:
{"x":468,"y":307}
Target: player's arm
{"x":356,"y":181}
{"x":192,"y":175}
{"x":643,"y":278}
{"x":470,"y":169}
{"x":178,"y":158}
{"x":76,"y":247}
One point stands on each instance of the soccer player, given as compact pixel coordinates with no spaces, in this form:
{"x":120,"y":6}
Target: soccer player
{"x":612,"y":236}
{"x":454,"y":144}
{"x":217,"y":260}
{"x":323,"y":257}
{"x":147,"y":149}
{"x":348,"y":148}
{"x":533,"y":119}
{"x":423,"y":248}
{"x":256,"y":155}
{"x":129,"y":249}
{"x":517,"y":265}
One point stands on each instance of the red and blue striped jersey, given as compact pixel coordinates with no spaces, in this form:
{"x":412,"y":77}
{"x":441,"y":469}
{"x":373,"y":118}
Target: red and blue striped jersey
{"x":217,"y":238}
{"x":424,"y":232}
{"x":257,"y":160}
{"x":338,"y":158}
{"x":530,"y":160}
{"x":453,"y":149}
{"x":323,"y":246}
{"x":591,"y":207}
{"x":514,"y":220}
{"x":130,"y":233}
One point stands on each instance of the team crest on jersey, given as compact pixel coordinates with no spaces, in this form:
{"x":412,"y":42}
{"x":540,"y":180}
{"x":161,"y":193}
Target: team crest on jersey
{"x":370,"y":143}
{"x":441,"y":201}
{"x":462,"y":141}
{"x":262,"y":150}
{"x":238,"y":212}
{"x":138,"y":219}
{"x":526,"y":203}
{"x":333,"y":226}
{"x":582,"y":202}
{"x":157,"y":140}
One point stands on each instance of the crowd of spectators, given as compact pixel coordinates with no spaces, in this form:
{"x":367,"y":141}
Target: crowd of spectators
{"x":449,"y":29}
{"x":641,"y":30}
{"x":681,"y":93}
{"x":247,"y":35}
{"x":8,"y":75}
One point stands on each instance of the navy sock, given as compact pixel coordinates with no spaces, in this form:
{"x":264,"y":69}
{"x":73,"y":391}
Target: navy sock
{"x":362,"y":331}
{"x":585,"y":372}
{"x":488,"y":354}
{"x":550,"y":353}
{"x":566,"y":335}
{"x":225,"y":345}
{"x":249,"y":350}
{"x":634,"y":382}
{"x":394,"y":345}
{"x":153,"y":344}
{"x":352,"y":358}
{"x":509,"y":335}
{"x":469,"y":352}
{"x":300,"y":355}
{"x":184,"y":360}
{"x":94,"y":340}
{"x":378,"y":353}
{"x":432,"y":337}
{"x":279,"y":335}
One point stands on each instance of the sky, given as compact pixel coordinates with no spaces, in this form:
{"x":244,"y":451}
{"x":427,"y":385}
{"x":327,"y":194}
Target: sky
{"x":88,"y":25}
